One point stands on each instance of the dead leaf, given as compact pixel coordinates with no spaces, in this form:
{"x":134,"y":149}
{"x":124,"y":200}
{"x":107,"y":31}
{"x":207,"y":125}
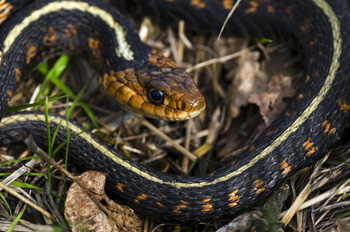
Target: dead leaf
{"x":249,"y":79}
{"x":228,"y":45}
{"x":342,"y":226}
{"x":271,"y":102}
{"x":89,"y":209}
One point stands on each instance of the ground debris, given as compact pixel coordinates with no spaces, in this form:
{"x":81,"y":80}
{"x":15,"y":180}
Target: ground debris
{"x":83,"y":214}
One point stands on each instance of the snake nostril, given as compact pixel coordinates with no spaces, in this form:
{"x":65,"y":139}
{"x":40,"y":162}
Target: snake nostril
{"x":180,"y":105}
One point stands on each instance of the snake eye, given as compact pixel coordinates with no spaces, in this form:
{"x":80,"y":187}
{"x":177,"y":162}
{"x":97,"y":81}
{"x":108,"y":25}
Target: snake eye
{"x":155,"y":96}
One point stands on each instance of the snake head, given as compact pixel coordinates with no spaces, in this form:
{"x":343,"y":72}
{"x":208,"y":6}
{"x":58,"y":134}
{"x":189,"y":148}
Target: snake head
{"x":170,"y":94}
{"x":157,"y":89}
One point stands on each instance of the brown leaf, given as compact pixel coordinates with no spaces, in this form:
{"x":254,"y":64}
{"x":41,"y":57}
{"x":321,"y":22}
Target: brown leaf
{"x":226,"y":46}
{"x":342,"y":226}
{"x":89,"y":209}
{"x":249,"y":79}
{"x":271,"y":102}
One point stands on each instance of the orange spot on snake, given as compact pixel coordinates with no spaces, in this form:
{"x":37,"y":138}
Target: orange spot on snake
{"x":252,"y":148}
{"x":324,"y":123}
{"x":312,"y":42}
{"x":198,"y":3}
{"x":289,"y":114}
{"x":270,"y":9}
{"x":327,"y":129}
{"x":142,"y":196}
{"x":160,"y":204}
{"x":306,"y":26}
{"x":233,"y":198}
{"x":94,"y":45}
{"x":227,"y":4}
{"x":120,"y":187}
{"x":303,"y":95}
{"x":18,"y":74}
{"x":31,"y":52}
{"x":180,"y":206}
{"x":253,"y":8}
{"x":332,"y":131}
{"x":259,"y":186}
{"x":327,"y":125}
{"x":312,"y":151}
{"x":206,"y":200}
{"x":289,"y":11}
{"x":307,"y":78}
{"x":308,"y":147}
{"x":285,"y":167}
{"x":207,"y":207}
{"x":9,"y":94}
{"x":256,"y":3}
{"x":343,"y":106}
{"x":50,"y":37}
{"x":6,"y":8}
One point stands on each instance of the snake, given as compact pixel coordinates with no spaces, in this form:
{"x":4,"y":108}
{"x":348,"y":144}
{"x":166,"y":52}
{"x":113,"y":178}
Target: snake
{"x":144,"y":81}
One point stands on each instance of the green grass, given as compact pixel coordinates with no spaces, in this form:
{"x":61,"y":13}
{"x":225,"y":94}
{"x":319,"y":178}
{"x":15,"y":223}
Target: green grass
{"x":52,"y":77}
{"x":12,"y":109}
{"x":18,"y":160}
{"x":23,"y":185}
{"x":6,"y":203}
{"x":17,"y":219}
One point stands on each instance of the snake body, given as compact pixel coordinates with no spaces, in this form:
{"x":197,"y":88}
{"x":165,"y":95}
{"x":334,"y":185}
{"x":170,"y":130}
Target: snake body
{"x":303,"y":133}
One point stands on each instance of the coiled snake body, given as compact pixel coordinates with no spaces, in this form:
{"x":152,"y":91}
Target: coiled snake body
{"x":144,"y":81}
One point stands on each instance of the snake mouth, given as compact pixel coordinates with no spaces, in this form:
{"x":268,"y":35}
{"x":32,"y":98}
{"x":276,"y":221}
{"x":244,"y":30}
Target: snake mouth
{"x":197,"y":108}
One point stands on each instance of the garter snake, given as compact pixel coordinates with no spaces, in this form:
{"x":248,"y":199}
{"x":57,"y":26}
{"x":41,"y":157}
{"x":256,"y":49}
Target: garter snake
{"x":303,"y":133}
